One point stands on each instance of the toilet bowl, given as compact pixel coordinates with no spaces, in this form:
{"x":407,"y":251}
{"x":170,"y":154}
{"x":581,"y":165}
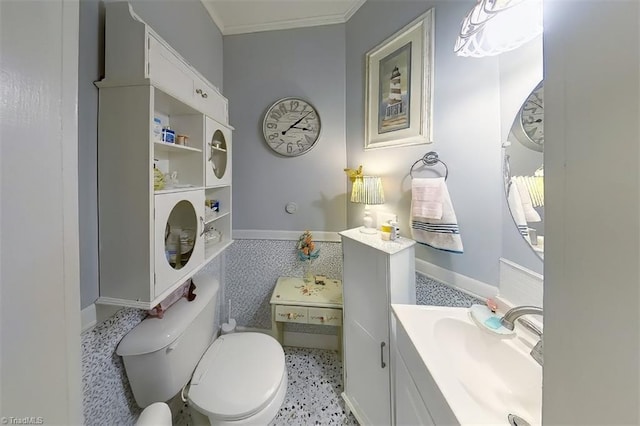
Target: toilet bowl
{"x":235,"y":379}
{"x":241,"y":379}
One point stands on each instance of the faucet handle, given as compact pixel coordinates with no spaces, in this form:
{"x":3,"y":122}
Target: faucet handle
{"x":530,"y":326}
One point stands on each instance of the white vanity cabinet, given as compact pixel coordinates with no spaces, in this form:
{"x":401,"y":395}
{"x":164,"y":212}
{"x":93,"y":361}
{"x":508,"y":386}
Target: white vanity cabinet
{"x":153,"y":239}
{"x":410,"y":409}
{"x":376,"y":273}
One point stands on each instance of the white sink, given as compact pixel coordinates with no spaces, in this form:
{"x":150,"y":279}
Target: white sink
{"x":482,"y":376}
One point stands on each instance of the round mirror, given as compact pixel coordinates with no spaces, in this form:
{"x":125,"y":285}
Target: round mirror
{"x":524,"y":172}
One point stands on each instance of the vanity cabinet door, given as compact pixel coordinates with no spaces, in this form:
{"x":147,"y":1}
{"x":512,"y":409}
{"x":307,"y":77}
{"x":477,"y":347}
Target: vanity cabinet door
{"x":410,"y":409}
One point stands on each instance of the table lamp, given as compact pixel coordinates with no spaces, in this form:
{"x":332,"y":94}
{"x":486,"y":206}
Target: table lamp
{"x":367,"y":190}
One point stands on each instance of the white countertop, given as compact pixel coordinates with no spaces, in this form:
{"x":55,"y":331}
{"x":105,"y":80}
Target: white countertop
{"x":482,"y":377}
{"x":375,"y":241}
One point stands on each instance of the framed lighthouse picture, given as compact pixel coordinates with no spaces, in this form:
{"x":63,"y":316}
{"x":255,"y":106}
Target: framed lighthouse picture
{"x":398,"y":87}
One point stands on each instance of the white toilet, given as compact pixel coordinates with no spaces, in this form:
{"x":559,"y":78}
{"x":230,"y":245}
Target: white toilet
{"x":240,"y":380}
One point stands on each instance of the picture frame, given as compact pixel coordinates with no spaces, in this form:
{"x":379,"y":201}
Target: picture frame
{"x":398,"y":88}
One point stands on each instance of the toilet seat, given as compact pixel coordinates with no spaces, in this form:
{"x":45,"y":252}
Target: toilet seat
{"x":238,"y":376}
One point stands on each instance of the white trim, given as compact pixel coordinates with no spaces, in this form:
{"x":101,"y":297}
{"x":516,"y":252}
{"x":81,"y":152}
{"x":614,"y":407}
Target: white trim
{"x":353,"y":10}
{"x":263,"y":234}
{"x":124,"y":303}
{"x":519,"y":285}
{"x":300,"y":340}
{"x":280,"y":25}
{"x":88,"y":318}
{"x":458,"y":281}
{"x":70,"y":244}
{"x":214,"y":15}
{"x":284,"y":25}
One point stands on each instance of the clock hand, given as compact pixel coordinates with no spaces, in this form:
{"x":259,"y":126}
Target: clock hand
{"x":302,"y":128}
{"x":284,"y":132}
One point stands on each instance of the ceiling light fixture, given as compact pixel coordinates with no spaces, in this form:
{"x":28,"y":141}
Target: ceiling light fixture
{"x":496,"y":26}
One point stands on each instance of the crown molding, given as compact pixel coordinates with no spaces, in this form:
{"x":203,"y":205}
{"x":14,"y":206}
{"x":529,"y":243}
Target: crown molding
{"x":284,"y":25}
{"x":353,"y":10}
{"x":214,"y":16}
{"x":280,"y":25}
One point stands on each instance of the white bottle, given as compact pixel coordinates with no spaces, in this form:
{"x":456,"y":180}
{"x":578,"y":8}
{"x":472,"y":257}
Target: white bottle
{"x":395,"y":230}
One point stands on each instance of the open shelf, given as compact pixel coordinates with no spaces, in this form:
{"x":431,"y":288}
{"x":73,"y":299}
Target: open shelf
{"x":214,"y":216}
{"x":172,"y":147}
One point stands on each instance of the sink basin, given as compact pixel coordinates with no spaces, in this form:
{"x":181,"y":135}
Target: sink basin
{"x":482,"y":376}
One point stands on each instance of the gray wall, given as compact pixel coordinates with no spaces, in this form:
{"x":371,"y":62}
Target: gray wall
{"x":466,"y":129}
{"x":260,"y":68}
{"x":592,"y":88}
{"x":196,"y":38}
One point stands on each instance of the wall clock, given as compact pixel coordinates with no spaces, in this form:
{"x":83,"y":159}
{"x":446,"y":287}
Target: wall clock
{"x":529,"y":130}
{"x":291,"y":127}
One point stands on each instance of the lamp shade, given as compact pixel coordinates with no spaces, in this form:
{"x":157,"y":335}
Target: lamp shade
{"x":496,"y":26}
{"x":367,"y":190}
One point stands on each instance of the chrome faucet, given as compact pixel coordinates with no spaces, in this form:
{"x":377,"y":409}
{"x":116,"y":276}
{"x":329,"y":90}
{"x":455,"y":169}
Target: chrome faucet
{"x":513,"y":314}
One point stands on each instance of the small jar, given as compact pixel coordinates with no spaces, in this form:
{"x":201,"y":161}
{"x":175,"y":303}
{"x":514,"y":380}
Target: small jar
{"x":168,"y":135}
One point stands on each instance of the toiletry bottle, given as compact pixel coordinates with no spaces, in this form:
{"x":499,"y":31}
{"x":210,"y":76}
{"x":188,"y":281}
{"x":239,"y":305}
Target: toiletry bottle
{"x":395,"y":230}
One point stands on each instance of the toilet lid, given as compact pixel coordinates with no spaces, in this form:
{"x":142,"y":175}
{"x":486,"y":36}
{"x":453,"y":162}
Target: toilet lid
{"x":237,"y":376}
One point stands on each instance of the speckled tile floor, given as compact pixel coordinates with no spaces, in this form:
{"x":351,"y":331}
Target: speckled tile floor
{"x":313,"y":392}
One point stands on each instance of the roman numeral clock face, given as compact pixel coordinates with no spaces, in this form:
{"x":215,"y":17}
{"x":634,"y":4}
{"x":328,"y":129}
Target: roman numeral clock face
{"x":291,"y":127}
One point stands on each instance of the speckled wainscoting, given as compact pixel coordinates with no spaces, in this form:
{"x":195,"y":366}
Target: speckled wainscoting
{"x":252,"y":269}
{"x":107,"y":397}
{"x":431,"y":292}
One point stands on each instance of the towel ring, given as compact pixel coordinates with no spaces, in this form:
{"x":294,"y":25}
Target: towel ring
{"x":430,"y":159}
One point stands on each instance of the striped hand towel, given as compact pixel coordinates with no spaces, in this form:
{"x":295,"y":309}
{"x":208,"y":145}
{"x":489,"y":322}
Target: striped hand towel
{"x":443,"y":233}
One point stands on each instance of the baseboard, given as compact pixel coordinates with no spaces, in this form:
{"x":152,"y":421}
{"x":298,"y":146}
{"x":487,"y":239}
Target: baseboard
{"x":519,"y":285}
{"x":458,"y":281}
{"x":263,"y":234}
{"x":88,"y":318}
{"x":301,"y":340}
{"x":95,"y":314}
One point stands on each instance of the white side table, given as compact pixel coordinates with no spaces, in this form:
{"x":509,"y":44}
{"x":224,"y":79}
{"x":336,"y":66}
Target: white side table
{"x":294,"y":300}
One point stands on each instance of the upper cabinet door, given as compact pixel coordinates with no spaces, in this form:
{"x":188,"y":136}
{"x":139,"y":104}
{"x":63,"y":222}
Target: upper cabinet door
{"x":179,"y":247}
{"x":217,"y":154}
{"x":168,"y":72}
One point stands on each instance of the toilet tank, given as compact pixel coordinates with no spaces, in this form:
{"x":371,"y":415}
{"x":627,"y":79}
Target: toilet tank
{"x":161,"y":354}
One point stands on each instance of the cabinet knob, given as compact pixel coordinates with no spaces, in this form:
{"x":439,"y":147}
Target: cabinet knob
{"x":204,"y":95}
{"x":322,"y":319}
{"x":289,"y":315}
{"x":199,"y":92}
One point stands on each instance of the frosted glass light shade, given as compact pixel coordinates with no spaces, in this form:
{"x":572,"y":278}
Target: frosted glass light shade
{"x":496,"y":26}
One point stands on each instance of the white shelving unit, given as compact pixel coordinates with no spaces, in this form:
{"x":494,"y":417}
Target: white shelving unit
{"x":153,"y":240}
{"x":375,"y":274}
